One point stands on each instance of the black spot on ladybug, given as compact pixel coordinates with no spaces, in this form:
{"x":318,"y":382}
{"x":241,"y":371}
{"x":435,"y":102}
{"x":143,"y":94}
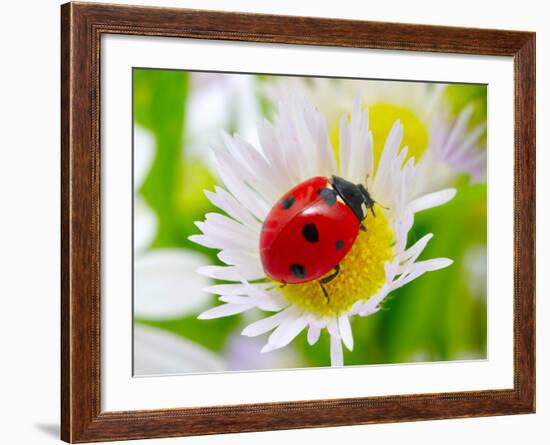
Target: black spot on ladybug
{"x":288,"y":202}
{"x":339,"y":244}
{"x":298,"y":270}
{"x":310,"y":233}
{"x":328,"y":195}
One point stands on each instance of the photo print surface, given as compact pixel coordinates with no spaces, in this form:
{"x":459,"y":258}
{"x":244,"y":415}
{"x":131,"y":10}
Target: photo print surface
{"x":297,"y":222}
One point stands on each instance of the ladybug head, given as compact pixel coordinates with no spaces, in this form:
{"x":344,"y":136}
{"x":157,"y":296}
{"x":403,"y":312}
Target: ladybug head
{"x":354,"y":195}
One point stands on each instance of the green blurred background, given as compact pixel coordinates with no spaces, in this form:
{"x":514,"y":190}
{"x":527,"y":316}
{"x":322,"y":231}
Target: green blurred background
{"x":440,"y":316}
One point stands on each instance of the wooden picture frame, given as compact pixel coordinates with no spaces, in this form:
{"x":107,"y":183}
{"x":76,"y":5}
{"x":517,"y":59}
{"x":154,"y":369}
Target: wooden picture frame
{"x":82,"y":26}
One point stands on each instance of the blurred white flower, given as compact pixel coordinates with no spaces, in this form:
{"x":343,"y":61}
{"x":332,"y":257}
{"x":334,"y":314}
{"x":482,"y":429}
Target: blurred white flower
{"x":158,"y":352}
{"x":241,"y":353}
{"x":475,"y":263}
{"x":219,"y":101}
{"x":145,"y":222}
{"x":293,"y":150}
{"x":443,"y":147}
{"x":165,"y":285}
{"x":454,"y":147}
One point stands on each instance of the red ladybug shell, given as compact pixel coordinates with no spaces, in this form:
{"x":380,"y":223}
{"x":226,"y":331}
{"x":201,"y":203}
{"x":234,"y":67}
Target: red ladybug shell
{"x":307,"y":233}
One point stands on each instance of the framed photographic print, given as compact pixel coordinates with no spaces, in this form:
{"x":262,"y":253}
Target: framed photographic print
{"x":275,"y":222}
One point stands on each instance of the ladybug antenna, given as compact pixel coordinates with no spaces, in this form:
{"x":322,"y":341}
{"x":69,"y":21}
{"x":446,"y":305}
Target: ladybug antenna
{"x":355,"y":196}
{"x":367,"y":198}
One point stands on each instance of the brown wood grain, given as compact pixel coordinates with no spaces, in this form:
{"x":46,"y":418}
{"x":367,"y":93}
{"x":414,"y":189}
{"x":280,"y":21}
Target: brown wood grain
{"x":81,"y":28}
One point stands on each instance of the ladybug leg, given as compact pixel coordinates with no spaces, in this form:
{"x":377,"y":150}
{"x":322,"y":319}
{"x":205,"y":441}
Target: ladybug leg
{"x":328,"y":279}
{"x":325,"y":293}
{"x":332,"y":276}
{"x":362,"y":227}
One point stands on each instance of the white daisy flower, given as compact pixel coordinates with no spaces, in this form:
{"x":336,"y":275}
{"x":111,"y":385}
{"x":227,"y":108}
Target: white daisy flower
{"x":454,"y":149}
{"x":293,"y":150}
{"x":444,"y":146}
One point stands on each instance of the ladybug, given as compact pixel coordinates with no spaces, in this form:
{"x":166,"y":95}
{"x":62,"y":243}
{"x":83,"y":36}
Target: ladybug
{"x":311,"y":228}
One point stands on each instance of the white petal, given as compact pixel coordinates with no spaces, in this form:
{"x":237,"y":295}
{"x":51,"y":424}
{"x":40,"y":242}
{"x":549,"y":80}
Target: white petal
{"x":227,"y":202}
{"x":345,"y":331}
{"x":286,"y":332}
{"x":272,"y":303}
{"x":235,"y":185}
{"x":157,"y":352}
{"x":458,"y":130}
{"x":281,"y":135}
{"x":431,"y":200}
{"x":327,"y":159}
{"x":313,"y":334}
{"x":295,"y":138}
{"x":372,"y":305}
{"x":237,"y":299}
{"x":434,"y":264}
{"x":264,"y":297}
{"x":235,"y":289}
{"x":361,"y":156}
{"x":231,"y":273}
{"x":418,"y":269}
{"x":390,"y":151}
{"x":403,"y":226}
{"x":413,"y":252}
{"x":391,"y":269}
{"x":166,"y":284}
{"x":344,"y":146}
{"x":268,"y":348}
{"x":316,"y":126}
{"x":467,"y":145}
{"x":266,"y":324}
{"x":276,"y":155}
{"x":215,"y":239}
{"x":231,"y":227}
{"x":239,"y":257}
{"x":205,"y":241}
{"x":224,"y":310}
{"x":268,"y":303}
{"x":253,"y":166}
{"x":332,"y":327}
{"x":336,"y":352}
{"x":476,"y":159}
{"x":226,"y":233}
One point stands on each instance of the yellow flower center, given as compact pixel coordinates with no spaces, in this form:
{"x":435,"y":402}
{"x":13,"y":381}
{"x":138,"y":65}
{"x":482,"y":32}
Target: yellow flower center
{"x":382,"y":116}
{"x":361,"y":272}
